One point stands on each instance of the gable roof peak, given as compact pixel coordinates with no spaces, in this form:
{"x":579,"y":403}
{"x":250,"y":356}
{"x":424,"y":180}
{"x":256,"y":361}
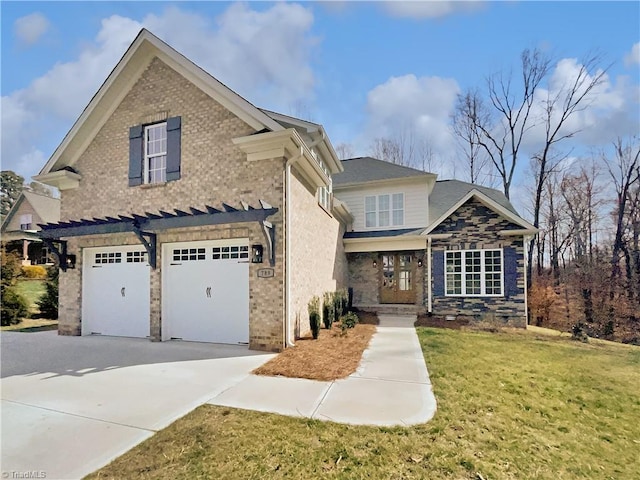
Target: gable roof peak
{"x":145,"y":47}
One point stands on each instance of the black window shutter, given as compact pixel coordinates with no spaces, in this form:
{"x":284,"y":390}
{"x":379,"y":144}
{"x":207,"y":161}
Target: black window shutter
{"x":510,"y":272}
{"x":135,"y":155}
{"x":174,"y":126}
{"x":437,"y":271}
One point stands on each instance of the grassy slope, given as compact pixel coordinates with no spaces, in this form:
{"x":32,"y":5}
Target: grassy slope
{"x":31,"y":291}
{"x":509,"y":406}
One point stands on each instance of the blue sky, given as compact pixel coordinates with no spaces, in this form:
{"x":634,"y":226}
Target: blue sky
{"x":364,"y":70}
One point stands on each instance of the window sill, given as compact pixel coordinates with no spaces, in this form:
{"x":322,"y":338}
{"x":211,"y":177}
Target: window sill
{"x":146,"y":186}
{"x":390,"y":227}
{"x":454,"y":295}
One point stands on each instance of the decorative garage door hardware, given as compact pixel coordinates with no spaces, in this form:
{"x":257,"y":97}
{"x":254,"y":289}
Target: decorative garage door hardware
{"x":145,"y":225}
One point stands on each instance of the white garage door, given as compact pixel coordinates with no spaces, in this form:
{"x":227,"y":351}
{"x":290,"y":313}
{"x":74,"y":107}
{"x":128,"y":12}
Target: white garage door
{"x":205,"y":295}
{"x":115,"y":291}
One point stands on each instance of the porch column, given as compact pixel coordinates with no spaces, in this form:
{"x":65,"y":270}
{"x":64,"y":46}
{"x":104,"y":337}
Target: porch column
{"x":25,"y":251}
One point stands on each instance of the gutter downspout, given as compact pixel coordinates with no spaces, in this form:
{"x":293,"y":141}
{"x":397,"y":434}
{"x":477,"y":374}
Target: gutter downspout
{"x":288,"y":342}
{"x":429,"y":280}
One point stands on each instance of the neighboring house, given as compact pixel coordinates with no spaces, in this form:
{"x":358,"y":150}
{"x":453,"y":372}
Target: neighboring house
{"x":20,"y":226}
{"x":187,"y":212}
{"x":450,"y":247}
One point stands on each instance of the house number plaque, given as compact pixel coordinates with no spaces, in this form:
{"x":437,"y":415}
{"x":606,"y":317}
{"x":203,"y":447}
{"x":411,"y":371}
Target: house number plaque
{"x":265,"y":273}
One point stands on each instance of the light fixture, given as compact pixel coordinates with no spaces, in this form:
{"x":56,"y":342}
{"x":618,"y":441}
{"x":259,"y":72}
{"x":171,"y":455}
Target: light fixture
{"x":256,"y":253}
{"x":375,"y":263}
{"x":420,"y":262}
{"x":71,"y":261}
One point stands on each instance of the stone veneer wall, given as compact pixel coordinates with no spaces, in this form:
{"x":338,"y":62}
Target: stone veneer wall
{"x":364,"y":278}
{"x":213,"y":170}
{"x":475,"y":226}
{"x":318,"y":261}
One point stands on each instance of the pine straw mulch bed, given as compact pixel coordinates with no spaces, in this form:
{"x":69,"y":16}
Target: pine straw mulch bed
{"x":330,"y":357}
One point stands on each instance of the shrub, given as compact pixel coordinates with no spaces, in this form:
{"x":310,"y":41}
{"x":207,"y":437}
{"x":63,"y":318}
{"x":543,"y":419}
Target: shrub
{"x":10,"y":268}
{"x":34,"y":272}
{"x":49,"y":302}
{"x":608,"y":329}
{"x":328,"y":314}
{"x":578,"y":333}
{"x":350,"y":320}
{"x":314,"y":316}
{"x":13,"y":307}
{"x":344,"y":295}
{"x":337,"y":305}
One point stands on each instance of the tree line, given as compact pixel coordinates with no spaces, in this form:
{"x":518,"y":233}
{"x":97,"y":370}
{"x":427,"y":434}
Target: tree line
{"x":584,"y":265}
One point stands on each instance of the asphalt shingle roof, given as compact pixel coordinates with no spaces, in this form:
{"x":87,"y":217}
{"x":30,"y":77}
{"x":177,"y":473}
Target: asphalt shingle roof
{"x":48,"y":208}
{"x":368,"y":169}
{"x":445,"y":194}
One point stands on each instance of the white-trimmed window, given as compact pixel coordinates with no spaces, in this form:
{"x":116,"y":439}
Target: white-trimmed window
{"x":324,"y":193}
{"x":384,"y":210}
{"x":155,"y":153}
{"x":474,"y":273}
{"x":25,"y":221}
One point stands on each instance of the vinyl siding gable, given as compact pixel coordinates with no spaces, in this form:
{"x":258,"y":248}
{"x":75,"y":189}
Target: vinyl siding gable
{"x":416,"y":203}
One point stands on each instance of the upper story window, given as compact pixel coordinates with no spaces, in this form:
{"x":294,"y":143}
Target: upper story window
{"x":25,"y":221}
{"x":384,"y":210}
{"x":325,"y":193}
{"x":473,"y":272}
{"x":155,"y":153}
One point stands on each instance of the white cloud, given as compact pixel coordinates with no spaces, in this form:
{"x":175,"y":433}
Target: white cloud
{"x":633,"y":57}
{"x":262,"y":55}
{"x":431,"y":9}
{"x":414,"y":107}
{"x":609,"y":110}
{"x":31,"y":28}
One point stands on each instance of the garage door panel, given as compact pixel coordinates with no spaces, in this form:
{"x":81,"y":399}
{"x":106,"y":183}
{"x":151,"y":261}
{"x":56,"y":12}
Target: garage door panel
{"x":206,"y":291}
{"x":116,"y":292}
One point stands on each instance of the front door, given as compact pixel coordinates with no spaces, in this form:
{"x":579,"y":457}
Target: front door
{"x":397,"y":278}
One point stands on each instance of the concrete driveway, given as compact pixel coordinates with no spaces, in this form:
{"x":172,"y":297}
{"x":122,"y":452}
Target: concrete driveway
{"x":72,"y":404}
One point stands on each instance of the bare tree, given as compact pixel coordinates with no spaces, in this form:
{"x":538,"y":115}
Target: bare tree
{"x":389,"y":150}
{"x":574,"y":96}
{"x":625,"y":173}
{"x":344,"y":151}
{"x":582,"y":199}
{"x":469,"y":111}
{"x":501,"y":132}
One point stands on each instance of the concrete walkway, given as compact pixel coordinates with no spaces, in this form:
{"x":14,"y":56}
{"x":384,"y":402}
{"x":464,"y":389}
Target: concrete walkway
{"x":391,"y":386}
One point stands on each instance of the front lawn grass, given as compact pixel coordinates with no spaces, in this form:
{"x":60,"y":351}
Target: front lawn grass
{"x":31,"y":291}
{"x":510,"y":406}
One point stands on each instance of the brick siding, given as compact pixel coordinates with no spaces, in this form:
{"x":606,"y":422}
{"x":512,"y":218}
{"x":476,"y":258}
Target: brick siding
{"x":318,"y":261}
{"x":213,"y":170}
